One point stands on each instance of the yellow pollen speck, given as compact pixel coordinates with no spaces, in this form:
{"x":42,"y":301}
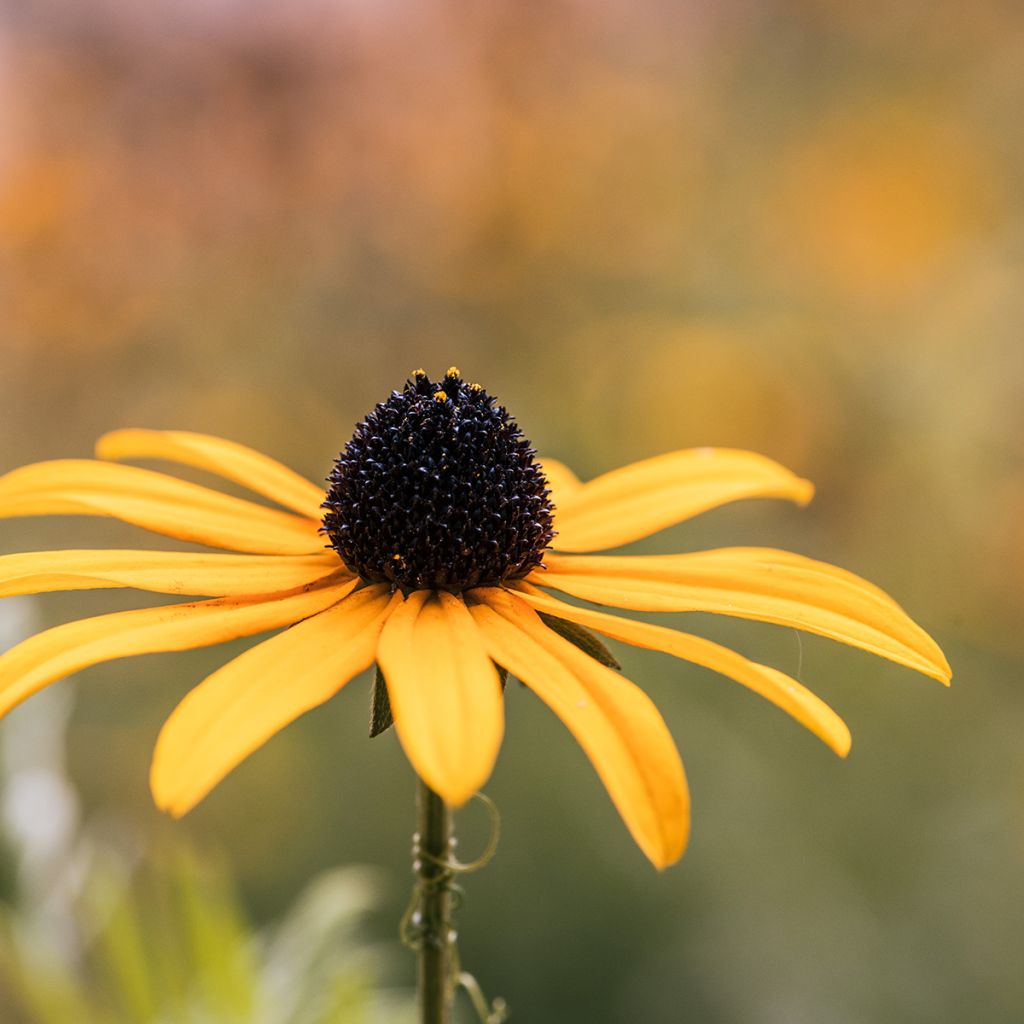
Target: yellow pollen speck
{"x":440,"y":396}
{"x":453,"y":371}
{"x":419,"y":372}
{"x":475,"y":387}
{"x":396,"y":558}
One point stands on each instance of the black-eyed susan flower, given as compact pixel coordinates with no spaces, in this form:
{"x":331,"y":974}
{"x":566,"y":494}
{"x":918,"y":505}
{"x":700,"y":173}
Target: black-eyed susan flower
{"x":432,"y":553}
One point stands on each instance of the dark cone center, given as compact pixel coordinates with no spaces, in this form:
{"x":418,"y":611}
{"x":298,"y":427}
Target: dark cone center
{"x":438,"y":488}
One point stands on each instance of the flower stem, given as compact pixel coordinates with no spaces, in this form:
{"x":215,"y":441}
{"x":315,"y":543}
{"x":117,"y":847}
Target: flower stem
{"x":433,"y":852}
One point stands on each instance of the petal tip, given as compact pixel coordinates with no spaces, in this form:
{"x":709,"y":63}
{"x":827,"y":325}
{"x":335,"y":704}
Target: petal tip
{"x":667,"y":849}
{"x":161,"y":800}
{"x":107,"y":445}
{"x":936,"y":663}
{"x":454,"y":794}
{"x":938,"y":669}
{"x":671,"y":854}
{"x":167,"y":802}
{"x":804,"y":492}
{"x":165,"y":794}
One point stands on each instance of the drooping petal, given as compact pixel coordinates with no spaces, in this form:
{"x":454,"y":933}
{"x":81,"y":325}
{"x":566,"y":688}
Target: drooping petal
{"x":252,"y":469}
{"x":239,"y":707}
{"x":562,"y":481}
{"x":784,"y":692}
{"x":164,"y":572}
{"x":55,"y":653}
{"x":445,"y":693}
{"x":754,"y":583}
{"x":155,"y":502}
{"x":640,"y":499}
{"x":613,"y":720}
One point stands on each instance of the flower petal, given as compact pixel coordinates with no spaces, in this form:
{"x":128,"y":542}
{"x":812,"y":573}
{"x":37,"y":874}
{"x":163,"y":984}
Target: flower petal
{"x":754,"y":583}
{"x":155,"y":502}
{"x":562,"y":481}
{"x":786,"y":693}
{"x":614,"y":721}
{"x":245,"y":466}
{"x":640,"y":499}
{"x":55,"y":653}
{"x":445,"y":693}
{"x":239,"y":707}
{"x":165,"y":572}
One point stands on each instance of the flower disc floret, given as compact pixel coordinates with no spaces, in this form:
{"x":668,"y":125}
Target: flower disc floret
{"x":438,"y":489}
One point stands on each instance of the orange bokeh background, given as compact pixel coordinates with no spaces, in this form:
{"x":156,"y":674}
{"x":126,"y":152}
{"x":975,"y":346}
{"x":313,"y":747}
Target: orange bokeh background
{"x":789,"y":226}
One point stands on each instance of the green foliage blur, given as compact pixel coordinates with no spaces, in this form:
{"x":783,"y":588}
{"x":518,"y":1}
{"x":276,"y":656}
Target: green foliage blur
{"x":103,"y":925}
{"x":178,"y":949}
{"x":793,"y":226}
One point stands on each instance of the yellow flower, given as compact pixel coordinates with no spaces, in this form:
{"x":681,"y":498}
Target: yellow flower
{"x":429,"y":556}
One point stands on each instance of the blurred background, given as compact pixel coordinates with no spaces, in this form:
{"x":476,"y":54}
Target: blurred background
{"x":794,"y":226}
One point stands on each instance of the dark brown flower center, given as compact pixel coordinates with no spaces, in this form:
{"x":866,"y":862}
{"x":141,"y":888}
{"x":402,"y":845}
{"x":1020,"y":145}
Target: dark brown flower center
{"x":438,"y":488}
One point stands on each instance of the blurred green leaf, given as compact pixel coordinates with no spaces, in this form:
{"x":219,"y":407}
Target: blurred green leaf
{"x":168,"y":943}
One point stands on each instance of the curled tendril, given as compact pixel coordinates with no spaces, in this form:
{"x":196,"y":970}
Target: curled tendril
{"x":457,"y":867}
{"x":413,"y":930}
{"x":495,"y":1012}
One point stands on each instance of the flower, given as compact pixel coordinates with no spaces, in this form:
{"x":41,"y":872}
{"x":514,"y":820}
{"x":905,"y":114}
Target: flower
{"x":429,"y":555}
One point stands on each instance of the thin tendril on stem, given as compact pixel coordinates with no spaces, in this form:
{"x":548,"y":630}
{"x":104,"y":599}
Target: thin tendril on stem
{"x":427,"y":926}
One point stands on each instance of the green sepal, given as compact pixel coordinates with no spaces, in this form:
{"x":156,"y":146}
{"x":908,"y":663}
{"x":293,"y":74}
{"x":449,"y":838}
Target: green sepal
{"x":381,"y":718}
{"x":581,"y":638}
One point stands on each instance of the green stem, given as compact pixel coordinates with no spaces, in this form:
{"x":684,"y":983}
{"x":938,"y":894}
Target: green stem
{"x":434,"y":828}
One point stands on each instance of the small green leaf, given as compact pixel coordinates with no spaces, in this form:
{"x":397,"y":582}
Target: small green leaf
{"x":381,"y":718}
{"x":581,"y":638}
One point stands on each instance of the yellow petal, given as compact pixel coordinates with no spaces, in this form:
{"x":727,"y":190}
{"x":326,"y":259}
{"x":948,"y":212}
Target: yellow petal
{"x":638,"y":500}
{"x":155,"y":502}
{"x":55,"y":653}
{"x":164,"y":572}
{"x":239,"y":707}
{"x":784,"y":692}
{"x":562,"y":481}
{"x":614,"y":721}
{"x":445,"y":693}
{"x":245,"y":466}
{"x":754,"y":583}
